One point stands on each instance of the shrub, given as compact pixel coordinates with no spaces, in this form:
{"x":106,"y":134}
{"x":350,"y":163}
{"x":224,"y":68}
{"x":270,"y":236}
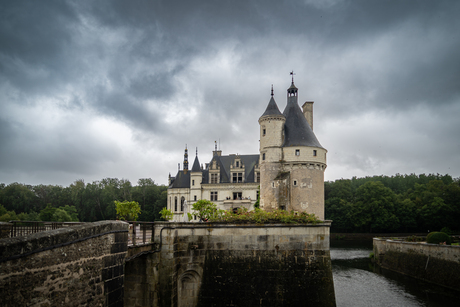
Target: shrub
{"x":438,"y":238}
{"x":166,"y":214}
{"x":447,"y":231}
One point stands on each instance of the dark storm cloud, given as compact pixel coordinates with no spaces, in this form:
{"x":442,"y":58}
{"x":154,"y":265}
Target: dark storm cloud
{"x":176,"y":72}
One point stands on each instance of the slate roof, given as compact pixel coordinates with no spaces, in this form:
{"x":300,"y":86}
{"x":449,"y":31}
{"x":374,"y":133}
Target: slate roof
{"x":249,"y":162}
{"x":196,"y":165}
{"x":182,"y":180}
{"x":272,"y":108}
{"x":297,"y":131}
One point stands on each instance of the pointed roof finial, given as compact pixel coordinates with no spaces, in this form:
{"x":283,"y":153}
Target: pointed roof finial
{"x":215,"y":145}
{"x":272,"y":90}
{"x":197,"y":151}
{"x":292,"y":74}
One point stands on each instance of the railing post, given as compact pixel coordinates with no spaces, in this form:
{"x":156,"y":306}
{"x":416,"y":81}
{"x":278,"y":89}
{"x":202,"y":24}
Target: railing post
{"x":144,"y":233}
{"x":134,"y":233}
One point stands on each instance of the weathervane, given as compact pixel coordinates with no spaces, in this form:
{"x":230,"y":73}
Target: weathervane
{"x":292,"y":74}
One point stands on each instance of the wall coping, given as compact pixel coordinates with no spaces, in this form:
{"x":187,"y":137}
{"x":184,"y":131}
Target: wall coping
{"x":417,"y":243}
{"x":326,"y":223}
{"x":11,"y":248}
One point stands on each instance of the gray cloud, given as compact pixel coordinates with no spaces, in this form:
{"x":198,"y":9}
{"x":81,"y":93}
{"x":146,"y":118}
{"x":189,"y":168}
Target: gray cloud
{"x":114,"y":88}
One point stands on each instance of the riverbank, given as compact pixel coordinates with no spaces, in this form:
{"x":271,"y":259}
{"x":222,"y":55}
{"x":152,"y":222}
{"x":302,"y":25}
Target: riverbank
{"x":369,"y":236}
{"x":436,"y":263}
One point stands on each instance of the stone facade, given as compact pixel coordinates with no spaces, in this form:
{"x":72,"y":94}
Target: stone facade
{"x":288,"y":171}
{"x":75,"y":266}
{"x":234,"y":265}
{"x":439,"y":264}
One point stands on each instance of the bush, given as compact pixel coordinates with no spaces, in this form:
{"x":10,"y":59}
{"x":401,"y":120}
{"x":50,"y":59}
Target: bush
{"x":447,"y":231}
{"x":438,"y":238}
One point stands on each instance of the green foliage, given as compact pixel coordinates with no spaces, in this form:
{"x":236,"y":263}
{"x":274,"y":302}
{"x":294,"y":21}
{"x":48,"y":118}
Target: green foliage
{"x":438,"y":238}
{"x":61,"y":215}
{"x":46,"y":214}
{"x":166,"y":214}
{"x":206,"y":210}
{"x":127,"y":210}
{"x":259,"y":216}
{"x":400,"y":203}
{"x":446,"y":230}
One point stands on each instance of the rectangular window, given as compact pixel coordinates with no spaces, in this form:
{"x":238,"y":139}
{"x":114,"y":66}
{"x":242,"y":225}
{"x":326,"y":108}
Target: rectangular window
{"x":193,"y":182}
{"x":257,"y":194}
{"x":263,"y":132}
{"x":295,"y":182}
{"x":237,"y":195}
{"x":194,"y":197}
{"x":314,"y":153}
{"x":237,"y":163}
{"x":213,"y":196}
{"x":263,"y":156}
{"x":237,"y":177}
{"x":297,"y":152}
{"x":214,"y":178}
{"x":257,"y":177}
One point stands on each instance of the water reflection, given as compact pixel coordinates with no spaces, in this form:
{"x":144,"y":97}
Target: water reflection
{"x":358,"y":283}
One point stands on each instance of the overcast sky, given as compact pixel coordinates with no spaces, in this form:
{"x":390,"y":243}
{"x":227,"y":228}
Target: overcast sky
{"x":96,"y":89}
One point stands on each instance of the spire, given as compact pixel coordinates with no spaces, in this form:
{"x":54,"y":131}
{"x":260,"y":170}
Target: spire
{"x":186,"y":159}
{"x":297,"y":131}
{"x":272,"y":107}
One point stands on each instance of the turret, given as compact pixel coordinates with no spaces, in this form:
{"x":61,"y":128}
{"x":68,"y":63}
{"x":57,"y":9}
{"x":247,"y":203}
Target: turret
{"x":196,"y":177}
{"x":271,"y":132}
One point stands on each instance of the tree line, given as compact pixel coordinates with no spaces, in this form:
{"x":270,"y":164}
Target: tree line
{"x":400,"y":203}
{"x":88,"y":202}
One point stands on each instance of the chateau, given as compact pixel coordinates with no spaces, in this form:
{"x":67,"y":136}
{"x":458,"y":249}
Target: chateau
{"x":289,"y":168}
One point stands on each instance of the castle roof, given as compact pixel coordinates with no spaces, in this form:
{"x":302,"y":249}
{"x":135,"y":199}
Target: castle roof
{"x":272,"y":108}
{"x":182,"y":180}
{"x":196,"y":165}
{"x":297,"y":131}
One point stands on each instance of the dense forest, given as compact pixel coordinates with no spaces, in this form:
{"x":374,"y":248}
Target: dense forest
{"x":400,"y":203}
{"x":83,"y":202}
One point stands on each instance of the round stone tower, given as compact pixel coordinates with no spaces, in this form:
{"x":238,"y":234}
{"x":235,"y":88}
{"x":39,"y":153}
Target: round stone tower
{"x":271,"y":139}
{"x":292,"y":161}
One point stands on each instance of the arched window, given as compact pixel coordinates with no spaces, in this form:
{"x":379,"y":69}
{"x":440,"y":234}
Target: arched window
{"x":175,"y":204}
{"x":182,"y":201}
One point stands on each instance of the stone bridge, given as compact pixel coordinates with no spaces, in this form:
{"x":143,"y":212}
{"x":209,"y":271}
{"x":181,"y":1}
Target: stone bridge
{"x":189,"y":264}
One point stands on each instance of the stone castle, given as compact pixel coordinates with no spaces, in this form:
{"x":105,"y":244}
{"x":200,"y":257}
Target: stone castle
{"x":289,"y":169}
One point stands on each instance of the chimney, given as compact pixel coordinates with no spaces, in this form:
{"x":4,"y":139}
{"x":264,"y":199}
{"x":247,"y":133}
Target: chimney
{"x":307,"y":109}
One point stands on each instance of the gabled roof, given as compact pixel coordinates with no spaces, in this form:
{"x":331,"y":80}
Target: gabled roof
{"x":249,"y":162}
{"x":297,"y":131}
{"x":272,"y":108}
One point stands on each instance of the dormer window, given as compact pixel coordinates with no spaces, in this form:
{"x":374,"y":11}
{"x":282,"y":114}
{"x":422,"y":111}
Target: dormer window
{"x":237,"y":163}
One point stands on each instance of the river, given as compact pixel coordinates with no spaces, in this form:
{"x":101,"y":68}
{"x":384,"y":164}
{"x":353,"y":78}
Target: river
{"x":358,"y":283}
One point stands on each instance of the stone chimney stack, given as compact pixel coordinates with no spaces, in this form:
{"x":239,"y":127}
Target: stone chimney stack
{"x":307,"y":109}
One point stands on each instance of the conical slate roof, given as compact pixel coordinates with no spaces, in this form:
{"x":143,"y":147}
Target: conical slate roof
{"x":196,"y":165}
{"x":297,"y":131}
{"x":272,"y":108}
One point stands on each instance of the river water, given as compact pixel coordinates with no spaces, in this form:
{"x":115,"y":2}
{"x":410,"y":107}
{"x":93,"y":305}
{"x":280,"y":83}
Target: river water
{"x":358,"y":283}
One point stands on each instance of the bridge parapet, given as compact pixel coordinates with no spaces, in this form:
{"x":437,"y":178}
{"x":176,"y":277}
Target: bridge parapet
{"x":73,"y":266}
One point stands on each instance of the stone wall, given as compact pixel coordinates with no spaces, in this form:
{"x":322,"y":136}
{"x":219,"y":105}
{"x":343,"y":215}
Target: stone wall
{"x":76,"y":266}
{"x":439,"y":264}
{"x":233,"y":265}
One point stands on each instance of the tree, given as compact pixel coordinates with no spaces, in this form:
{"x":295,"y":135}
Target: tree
{"x":375,"y":208}
{"x":46,"y":214}
{"x":204,"y":209}
{"x":127,"y":210}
